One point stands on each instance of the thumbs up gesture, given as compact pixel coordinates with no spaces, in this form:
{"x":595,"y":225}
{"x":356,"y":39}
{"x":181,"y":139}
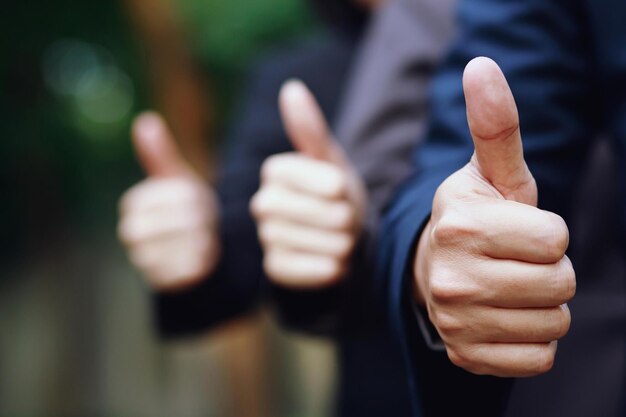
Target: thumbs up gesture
{"x":168,"y":221}
{"x":490,"y":266}
{"x":311,"y":203}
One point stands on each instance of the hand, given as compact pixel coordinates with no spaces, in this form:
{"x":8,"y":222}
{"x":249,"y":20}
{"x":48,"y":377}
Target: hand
{"x":311,"y":203}
{"x":168,"y":221}
{"x":490,"y":266}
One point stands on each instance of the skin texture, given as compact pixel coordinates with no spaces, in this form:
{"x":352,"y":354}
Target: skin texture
{"x":490,"y":266}
{"x":168,"y":221}
{"x":310,"y":206}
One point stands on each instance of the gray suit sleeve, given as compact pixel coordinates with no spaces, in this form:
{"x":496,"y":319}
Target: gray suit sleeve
{"x":385,"y":108}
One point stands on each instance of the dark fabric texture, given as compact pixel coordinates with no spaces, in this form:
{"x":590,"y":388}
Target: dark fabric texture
{"x":343,"y":16}
{"x":566,"y":65}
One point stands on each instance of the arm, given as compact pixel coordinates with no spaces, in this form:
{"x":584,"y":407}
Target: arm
{"x":239,"y":283}
{"x":381,"y":114}
{"x":236,"y":285}
{"x":170,"y":224}
{"x":309,"y":211}
{"x":542,"y":50}
{"x":196,"y":285}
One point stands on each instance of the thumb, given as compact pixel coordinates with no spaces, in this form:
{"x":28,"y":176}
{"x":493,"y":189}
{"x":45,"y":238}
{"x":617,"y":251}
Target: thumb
{"x":494,"y":124}
{"x":305,"y":124}
{"x":156,"y":149}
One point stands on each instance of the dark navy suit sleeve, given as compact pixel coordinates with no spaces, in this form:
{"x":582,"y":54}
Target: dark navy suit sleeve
{"x":543,"y":48}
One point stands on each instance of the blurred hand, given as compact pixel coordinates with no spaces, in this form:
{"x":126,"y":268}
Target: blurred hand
{"x":311,"y":203}
{"x":490,"y":266}
{"x":168,"y":221}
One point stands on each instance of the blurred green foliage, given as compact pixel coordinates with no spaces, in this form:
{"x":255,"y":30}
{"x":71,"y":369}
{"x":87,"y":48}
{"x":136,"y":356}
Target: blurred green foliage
{"x":226,"y":36}
{"x":65,"y":153}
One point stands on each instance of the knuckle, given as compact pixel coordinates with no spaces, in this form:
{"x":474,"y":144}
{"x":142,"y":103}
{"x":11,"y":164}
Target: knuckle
{"x":345,"y":246}
{"x":558,"y":239}
{"x":446,"y":323}
{"x":199,"y":198}
{"x":124,"y":203}
{"x":195,"y":222}
{"x":198,"y":266}
{"x":440,"y":289}
{"x":205,"y":244}
{"x":562,"y":283}
{"x":337,"y":182}
{"x":261,"y":202}
{"x":452,"y":228}
{"x":181,"y":191}
{"x":273,"y":266}
{"x":569,"y":278}
{"x":188,"y":269}
{"x":126,"y":232}
{"x":344,"y":216}
{"x":121,"y":232}
{"x":456,"y":358}
{"x":203,"y":220}
{"x":445,"y":290}
{"x":544,"y":360}
{"x":188,"y":190}
{"x":448,"y":187}
{"x":460,"y":357}
{"x":255,"y":204}
{"x":448,"y":192}
{"x":271,"y":166}
{"x":563,"y":321}
{"x":332,"y":275}
{"x":267,"y":233}
{"x":142,"y":262}
{"x":128,"y":200}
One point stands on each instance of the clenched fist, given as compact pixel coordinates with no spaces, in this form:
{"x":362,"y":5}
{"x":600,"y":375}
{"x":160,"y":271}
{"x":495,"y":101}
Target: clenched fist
{"x":490,"y":266}
{"x":168,"y":221}
{"x":311,"y":203}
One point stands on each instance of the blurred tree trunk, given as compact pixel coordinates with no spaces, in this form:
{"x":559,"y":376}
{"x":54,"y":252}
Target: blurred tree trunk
{"x":180,"y":91}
